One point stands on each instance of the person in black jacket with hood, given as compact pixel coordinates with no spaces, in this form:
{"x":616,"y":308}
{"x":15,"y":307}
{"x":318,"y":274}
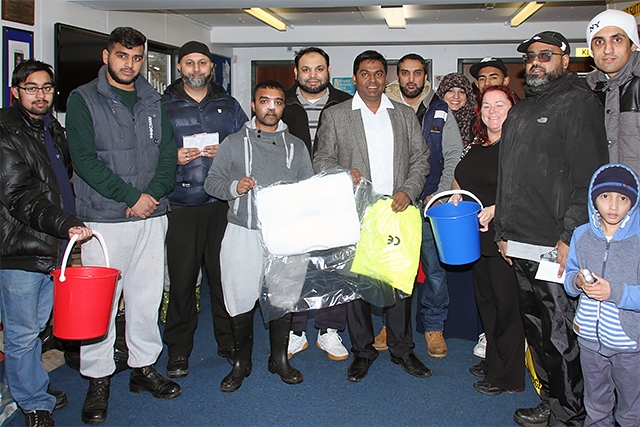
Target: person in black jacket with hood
{"x":552,"y":143}
{"x":36,"y":217}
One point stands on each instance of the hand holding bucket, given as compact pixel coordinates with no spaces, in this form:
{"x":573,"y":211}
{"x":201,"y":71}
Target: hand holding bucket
{"x":83,"y":297}
{"x":456,"y":229}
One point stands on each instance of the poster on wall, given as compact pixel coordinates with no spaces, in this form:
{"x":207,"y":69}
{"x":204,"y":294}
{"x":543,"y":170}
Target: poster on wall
{"x":222,"y":71}
{"x":344,"y":84}
{"x":21,"y":11}
{"x":17,"y":46}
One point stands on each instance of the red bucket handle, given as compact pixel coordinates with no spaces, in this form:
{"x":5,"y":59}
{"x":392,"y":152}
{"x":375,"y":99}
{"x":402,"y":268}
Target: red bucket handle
{"x":451,"y":193}
{"x":67,"y":252}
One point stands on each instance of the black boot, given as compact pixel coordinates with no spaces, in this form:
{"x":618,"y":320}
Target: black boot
{"x":242,"y":326}
{"x":96,"y":404}
{"x":278,"y":360}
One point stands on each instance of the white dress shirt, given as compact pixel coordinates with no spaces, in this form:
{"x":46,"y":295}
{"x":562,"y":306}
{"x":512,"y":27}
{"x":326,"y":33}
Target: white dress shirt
{"x":379,"y":134}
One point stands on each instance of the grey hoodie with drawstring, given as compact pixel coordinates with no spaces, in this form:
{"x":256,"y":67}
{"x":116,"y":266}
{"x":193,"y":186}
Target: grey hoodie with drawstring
{"x":267,"y":157}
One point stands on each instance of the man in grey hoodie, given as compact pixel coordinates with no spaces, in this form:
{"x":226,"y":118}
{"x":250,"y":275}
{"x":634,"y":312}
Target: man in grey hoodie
{"x":613,"y":39}
{"x":262,"y":153}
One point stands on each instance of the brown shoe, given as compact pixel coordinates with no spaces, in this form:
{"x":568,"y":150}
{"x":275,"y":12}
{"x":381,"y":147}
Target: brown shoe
{"x":436,"y":346}
{"x":380,"y":342}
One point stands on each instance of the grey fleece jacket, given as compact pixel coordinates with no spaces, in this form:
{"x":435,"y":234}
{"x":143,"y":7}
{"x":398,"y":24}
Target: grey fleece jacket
{"x":623,"y":127}
{"x":267,"y":157}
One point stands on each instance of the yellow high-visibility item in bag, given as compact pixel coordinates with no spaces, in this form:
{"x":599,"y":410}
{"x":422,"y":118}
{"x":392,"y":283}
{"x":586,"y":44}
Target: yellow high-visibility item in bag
{"x":389,"y":246}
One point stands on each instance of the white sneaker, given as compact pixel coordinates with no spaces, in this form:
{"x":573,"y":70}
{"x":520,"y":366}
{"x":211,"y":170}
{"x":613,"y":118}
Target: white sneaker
{"x":297,"y":343}
{"x":480,"y":349}
{"x":331,"y":342}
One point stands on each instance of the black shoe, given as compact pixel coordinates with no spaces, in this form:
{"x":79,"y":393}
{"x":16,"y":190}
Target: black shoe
{"x":533,"y":417}
{"x":227,"y":353}
{"x":38,"y":419}
{"x":358,"y":369}
{"x":487,"y":388}
{"x":478,"y":370}
{"x":233,"y":381}
{"x":412,"y":365}
{"x":61,"y":398}
{"x":94,"y":408}
{"x":178,"y":367}
{"x":279,"y":343}
{"x":148,"y":379}
{"x":288,"y":373}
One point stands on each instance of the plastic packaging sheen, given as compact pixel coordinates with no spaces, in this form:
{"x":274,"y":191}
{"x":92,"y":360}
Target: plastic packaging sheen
{"x":323,"y":278}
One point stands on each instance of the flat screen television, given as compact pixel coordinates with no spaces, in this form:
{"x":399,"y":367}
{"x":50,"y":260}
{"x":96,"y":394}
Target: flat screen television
{"x":78,"y":57}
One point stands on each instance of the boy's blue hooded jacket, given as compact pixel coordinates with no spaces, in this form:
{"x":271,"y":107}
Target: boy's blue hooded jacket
{"x":611,"y":326}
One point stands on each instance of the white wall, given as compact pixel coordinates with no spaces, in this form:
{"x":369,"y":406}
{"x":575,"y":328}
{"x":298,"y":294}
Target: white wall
{"x":444,"y":59}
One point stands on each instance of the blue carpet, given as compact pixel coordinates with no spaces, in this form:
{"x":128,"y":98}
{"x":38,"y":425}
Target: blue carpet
{"x":386,"y":397}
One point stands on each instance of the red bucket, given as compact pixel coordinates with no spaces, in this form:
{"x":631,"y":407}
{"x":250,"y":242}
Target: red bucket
{"x":83,"y":297}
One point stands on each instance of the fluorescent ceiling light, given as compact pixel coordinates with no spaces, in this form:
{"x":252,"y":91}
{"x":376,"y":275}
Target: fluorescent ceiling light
{"x":267,"y":18}
{"x":525,"y":13}
{"x":394,"y":16}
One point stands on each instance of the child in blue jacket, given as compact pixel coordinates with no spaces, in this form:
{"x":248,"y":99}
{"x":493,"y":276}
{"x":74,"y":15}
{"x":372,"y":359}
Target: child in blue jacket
{"x":608,"y":317}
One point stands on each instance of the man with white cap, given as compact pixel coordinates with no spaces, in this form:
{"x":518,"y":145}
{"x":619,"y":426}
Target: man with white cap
{"x":613,"y":39}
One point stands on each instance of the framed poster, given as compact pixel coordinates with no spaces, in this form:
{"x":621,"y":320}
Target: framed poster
{"x":17,"y":46}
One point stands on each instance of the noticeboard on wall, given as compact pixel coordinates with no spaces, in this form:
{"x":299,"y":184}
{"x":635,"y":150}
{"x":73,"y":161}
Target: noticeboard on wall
{"x":222,"y":71}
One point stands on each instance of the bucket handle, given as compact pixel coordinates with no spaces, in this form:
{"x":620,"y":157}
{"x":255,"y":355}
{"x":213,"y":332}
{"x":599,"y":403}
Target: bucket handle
{"x":451,"y":193}
{"x":67,"y":252}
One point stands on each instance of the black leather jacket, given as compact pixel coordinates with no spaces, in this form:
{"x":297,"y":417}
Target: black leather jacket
{"x":32,"y":219}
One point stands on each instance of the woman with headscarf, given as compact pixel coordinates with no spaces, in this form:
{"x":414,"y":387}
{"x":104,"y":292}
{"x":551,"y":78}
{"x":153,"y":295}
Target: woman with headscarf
{"x":455,"y":89}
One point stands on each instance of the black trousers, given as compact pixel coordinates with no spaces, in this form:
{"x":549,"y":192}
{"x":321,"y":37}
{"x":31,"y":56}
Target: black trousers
{"x":547,"y":313}
{"x":398,"y":322}
{"x":331,"y":317}
{"x":496,"y":293}
{"x":194,"y":237}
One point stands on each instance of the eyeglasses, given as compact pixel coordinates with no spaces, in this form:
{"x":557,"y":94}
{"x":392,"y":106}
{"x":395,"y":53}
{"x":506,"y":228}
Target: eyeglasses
{"x":32,"y":90}
{"x":542,"y":56}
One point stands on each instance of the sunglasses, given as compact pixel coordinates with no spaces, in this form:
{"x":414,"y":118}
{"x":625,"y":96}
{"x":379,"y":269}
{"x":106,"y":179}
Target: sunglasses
{"x":542,"y":56}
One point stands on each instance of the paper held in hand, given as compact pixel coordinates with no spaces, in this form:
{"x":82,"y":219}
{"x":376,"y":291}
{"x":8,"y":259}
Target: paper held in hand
{"x":200,"y":140}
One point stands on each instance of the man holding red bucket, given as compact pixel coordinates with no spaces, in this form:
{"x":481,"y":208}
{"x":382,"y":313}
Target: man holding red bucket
{"x":36,"y":215}
{"x":125,"y":157}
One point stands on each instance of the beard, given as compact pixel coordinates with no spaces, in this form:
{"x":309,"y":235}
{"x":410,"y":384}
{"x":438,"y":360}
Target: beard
{"x":314,"y":89}
{"x":197,"y":82}
{"x":543,"y":79}
{"x":411,"y":93}
{"x":118,"y":79}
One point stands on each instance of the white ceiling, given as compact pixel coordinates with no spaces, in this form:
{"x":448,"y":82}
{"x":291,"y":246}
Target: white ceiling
{"x":228,"y":13}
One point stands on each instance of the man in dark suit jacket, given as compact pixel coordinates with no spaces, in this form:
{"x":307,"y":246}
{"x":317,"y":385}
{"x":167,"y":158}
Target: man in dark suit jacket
{"x":356,"y":135}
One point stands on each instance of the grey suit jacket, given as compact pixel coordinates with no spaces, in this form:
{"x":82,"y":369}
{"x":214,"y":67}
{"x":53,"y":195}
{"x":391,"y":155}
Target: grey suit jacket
{"x":342,"y":144}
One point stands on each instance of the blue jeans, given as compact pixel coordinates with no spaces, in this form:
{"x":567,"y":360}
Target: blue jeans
{"x":26,"y":300}
{"x":433,"y":295}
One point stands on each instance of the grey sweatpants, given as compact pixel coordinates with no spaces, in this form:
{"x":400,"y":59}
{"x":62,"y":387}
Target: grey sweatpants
{"x":135,"y":248}
{"x":604,"y":378}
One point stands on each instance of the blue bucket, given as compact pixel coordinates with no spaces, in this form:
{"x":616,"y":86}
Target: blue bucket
{"x":456,"y":230}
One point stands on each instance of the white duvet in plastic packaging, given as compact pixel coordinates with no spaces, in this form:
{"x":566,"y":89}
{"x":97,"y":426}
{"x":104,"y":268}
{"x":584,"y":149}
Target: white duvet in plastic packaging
{"x":314,"y":214}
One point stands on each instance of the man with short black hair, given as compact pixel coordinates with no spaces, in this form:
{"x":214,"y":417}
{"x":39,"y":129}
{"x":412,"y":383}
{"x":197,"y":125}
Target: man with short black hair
{"x":441,"y":133}
{"x":552,"y":143}
{"x":36,"y":218}
{"x":305,"y":101}
{"x":197,"y":108}
{"x":489,"y":72}
{"x":379,"y":140}
{"x":123,"y":148}
{"x":612,"y":37}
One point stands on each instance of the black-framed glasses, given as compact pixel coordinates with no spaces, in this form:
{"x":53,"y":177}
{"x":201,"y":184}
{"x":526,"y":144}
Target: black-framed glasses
{"x":32,"y":90}
{"x":542,"y":56}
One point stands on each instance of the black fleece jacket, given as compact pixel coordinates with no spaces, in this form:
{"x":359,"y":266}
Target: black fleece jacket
{"x":552,"y":142}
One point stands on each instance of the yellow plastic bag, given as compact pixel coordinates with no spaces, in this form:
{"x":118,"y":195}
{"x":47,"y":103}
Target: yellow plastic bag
{"x":389,"y":246}
{"x":528,"y":362}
